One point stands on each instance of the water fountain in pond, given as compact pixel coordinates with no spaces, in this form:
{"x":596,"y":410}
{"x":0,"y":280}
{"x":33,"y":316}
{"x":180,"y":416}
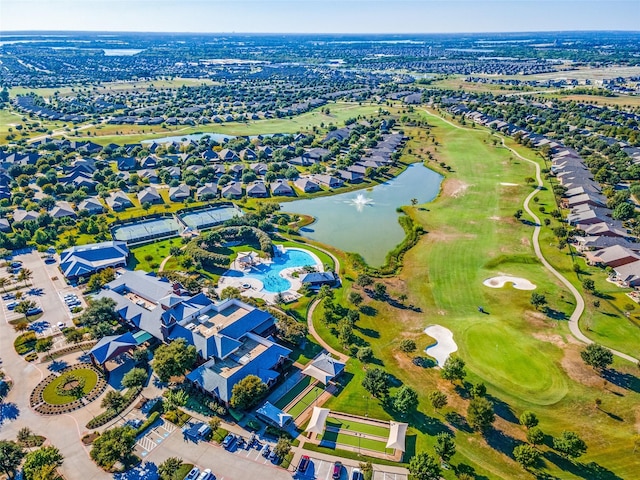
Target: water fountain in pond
{"x":361,"y":201}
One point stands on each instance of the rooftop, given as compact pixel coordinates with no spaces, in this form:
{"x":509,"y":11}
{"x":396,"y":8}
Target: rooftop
{"x":249,"y":350}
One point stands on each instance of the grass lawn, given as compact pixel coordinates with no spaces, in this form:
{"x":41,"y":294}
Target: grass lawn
{"x":52,"y":397}
{"x":356,"y":441}
{"x":148,"y":257}
{"x":184,"y":470}
{"x":527,"y":358}
{"x":297,"y":389}
{"x":304,"y":402}
{"x":355,"y":426}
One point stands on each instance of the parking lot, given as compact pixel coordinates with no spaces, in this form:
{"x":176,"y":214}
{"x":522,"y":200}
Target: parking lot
{"x":47,"y":288}
{"x":323,"y":470}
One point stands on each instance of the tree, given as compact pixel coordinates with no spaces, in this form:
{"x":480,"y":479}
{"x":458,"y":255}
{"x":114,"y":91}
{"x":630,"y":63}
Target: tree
{"x":73,"y":335}
{"x":518,"y":214}
{"x":478,"y":390}
{"x":528,"y":419}
{"x":247,"y":392}
{"x":173,"y":359}
{"x":379,"y":291}
{"x":24,"y":306}
{"x":538,"y":300}
{"x":407,"y":345}
{"x":414,"y":202}
{"x":424,"y":467}
{"x":405,"y":400}
{"x":367,"y":469}
{"x":215,"y":423}
{"x":364,"y":281}
{"x":345,"y":332}
{"x":438,"y":399}
{"x":136,"y":377}
{"x":588,"y":285}
{"x":25,"y":275}
{"x":376,"y":382}
{"x":282,"y":448}
{"x":526,"y":455}
{"x":453,"y":369}
{"x":570,"y":445}
{"x":169,"y":468}
{"x":11,"y":455}
{"x":535,"y":436}
{"x":113,"y":445}
{"x":597,"y":356}
{"x":113,"y":400}
{"x":445,"y":447}
{"x":364,"y":354}
{"x":175,"y":399}
{"x":623,"y":211}
{"x":355,"y":298}
{"x":45,"y":459}
{"x":43,"y":345}
{"x":480,"y":414}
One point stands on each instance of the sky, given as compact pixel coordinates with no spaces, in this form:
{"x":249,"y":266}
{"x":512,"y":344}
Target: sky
{"x":320,"y":16}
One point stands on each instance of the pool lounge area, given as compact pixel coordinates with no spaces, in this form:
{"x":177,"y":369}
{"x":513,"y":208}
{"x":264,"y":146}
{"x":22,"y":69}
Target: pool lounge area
{"x":266,"y":279}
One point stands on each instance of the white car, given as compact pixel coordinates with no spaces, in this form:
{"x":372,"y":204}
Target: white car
{"x":60,"y":325}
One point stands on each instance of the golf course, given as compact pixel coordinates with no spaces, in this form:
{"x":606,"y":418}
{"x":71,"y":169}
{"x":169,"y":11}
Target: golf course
{"x":526,"y":356}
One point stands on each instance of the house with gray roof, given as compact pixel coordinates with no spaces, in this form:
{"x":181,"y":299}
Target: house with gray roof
{"x":281,"y":188}
{"x":232,"y":190}
{"x":257,"y":189}
{"x":306,"y":184}
{"x":20,"y":215}
{"x":119,"y":201}
{"x":149,"y":195}
{"x":179,"y":193}
{"x":62,"y":209}
{"x":207,"y":191}
{"x":91,"y":205}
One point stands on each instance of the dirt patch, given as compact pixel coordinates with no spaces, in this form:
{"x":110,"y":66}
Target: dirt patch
{"x":454,"y":188}
{"x":556,"y":339}
{"x":440,"y":236}
{"x":495,"y":217}
{"x":525,"y":241}
{"x":576,"y":369}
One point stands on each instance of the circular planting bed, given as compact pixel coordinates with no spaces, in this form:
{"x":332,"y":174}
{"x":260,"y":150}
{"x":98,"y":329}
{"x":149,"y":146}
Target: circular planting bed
{"x":68,"y":390}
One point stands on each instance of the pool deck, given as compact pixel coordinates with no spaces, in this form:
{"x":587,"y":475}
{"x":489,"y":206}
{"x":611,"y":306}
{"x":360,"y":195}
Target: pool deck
{"x":252,"y":287}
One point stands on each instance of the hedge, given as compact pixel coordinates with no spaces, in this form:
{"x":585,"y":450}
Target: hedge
{"x":108,"y":415}
{"x":25,"y":342}
{"x":148,"y":422}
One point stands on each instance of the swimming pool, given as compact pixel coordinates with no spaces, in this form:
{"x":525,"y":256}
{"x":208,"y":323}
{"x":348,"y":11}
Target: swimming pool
{"x":269,"y":273}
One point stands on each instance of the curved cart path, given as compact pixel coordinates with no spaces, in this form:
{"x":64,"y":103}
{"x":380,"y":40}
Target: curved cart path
{"x":574,"y":326}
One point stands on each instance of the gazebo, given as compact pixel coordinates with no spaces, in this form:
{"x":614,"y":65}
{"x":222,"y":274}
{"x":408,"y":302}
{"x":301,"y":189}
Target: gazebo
{"x":397,"y":434}
{"x":112,"y":346}
{"x":324,"y":368}
{"x":318,"y":420}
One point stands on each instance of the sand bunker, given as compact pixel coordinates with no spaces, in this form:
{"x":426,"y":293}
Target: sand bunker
{"x":444,"y":345}
{"x":505,"y":184}
{"x":516,"y":282}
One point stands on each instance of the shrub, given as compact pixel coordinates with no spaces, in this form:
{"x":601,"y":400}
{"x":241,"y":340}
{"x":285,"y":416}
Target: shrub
{"x":25,"y":343}
{"x":148,"y":422}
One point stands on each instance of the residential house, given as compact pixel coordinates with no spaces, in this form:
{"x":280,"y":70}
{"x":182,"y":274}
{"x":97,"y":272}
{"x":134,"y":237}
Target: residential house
{"x":207,"y":191}
{"x":318,"y":279}
{"x":91,"y":205}
{"x":126,"y":163}
{"x":149,"y":195}
{"x":328,"y":181}
{"x":232,"y":190}
{"x":306,"y":184}
{"x":62,"y":209}
{"x":119,"y":201}
{"x":179,"y":193}
{"x":281,"y":188}
{"x":20,"y":215}
{"x":257,"y":189}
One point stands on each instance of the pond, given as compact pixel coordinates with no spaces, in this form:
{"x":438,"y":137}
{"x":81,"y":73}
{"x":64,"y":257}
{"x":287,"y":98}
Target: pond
{"x":366,"y":221}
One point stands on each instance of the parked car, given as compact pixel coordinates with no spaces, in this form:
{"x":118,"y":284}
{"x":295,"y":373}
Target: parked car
{"x":304,"y":464}
{"x":193,"y":474}
{"x":34,"y":311}
{"x":272,"y":456}
{"x":337,"y":470}
{"x":8,"y":296}
{"x":265,"y":451}
{"x":12,"y":305}
{"x":241,"y":442}
{"x":206,"y":475}
{"x":228,"y":441}
{"x":356,"y":474}
{"x":16,"y":264}
{"x":61,"y":325}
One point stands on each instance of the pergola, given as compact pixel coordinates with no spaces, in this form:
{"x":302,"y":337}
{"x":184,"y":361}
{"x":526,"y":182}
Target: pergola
{"x":397,"y":434}
{"x":324,"y":369}
{"x":318,"y":419}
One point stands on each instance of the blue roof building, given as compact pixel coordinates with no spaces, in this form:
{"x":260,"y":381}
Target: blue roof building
{"x":76,"y":262}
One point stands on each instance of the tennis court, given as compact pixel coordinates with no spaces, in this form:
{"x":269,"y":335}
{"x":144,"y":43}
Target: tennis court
{"x":146,"y":230}
{"x":209,"y":217}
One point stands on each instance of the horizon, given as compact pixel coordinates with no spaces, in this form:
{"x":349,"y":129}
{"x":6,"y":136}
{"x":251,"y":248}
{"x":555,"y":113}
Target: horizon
{"x":351,"y":17}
